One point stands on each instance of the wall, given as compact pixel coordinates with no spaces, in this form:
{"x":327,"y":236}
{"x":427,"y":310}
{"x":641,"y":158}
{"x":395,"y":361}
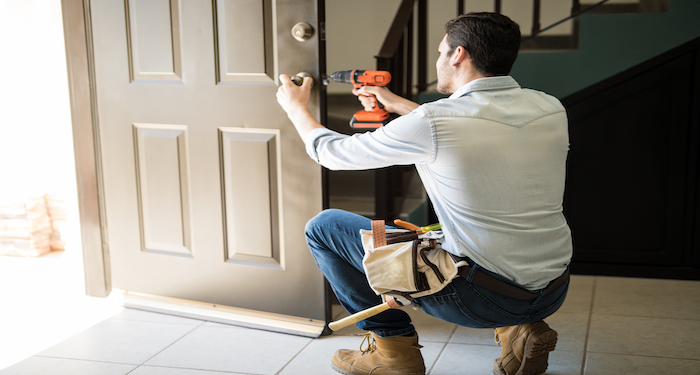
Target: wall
{"x":355,"y":32}
{"x":609,"y":44}
{"x":355,"y":35}
{"x":36,"y":144}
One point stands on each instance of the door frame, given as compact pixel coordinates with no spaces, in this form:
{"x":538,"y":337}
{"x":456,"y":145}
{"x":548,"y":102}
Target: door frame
{"x":77,"y":26}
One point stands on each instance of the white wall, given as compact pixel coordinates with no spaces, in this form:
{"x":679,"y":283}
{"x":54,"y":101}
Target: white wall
{"x":36,"y":144}
{"x":355,"y":31}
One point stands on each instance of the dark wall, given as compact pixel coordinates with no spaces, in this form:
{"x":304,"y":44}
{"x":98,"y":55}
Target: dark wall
{"x":632,"y":184}
{"x":608,"y":44}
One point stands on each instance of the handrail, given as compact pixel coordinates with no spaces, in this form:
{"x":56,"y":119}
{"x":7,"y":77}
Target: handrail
{"x":396,"y":31}
{"x":574,"y":14}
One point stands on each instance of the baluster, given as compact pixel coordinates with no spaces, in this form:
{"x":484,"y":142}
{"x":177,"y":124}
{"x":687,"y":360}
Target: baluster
{"x":535,"y":17}
{"x":575,"y":7}
{"x":422,"y":75}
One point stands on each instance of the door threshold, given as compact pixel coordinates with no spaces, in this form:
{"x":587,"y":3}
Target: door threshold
{"x":224,"y":314}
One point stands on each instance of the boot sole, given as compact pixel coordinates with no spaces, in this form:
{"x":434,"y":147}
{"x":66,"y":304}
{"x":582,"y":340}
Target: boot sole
{"x":338,"y":369}
{"x":537,"y":349}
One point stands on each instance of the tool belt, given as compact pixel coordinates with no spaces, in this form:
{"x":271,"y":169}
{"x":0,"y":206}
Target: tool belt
{"x":400,"y":264}
{"x":503,"y":288}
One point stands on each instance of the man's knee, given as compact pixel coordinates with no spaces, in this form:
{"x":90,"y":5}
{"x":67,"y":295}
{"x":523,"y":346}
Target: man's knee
{"x":323,"y":217}
{"x":314,"y":226}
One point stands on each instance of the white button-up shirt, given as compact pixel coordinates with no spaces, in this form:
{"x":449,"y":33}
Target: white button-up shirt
{"x":492,"y":158}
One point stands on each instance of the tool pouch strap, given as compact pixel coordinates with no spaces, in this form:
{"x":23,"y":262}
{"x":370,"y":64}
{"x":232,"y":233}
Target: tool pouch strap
{"x":378,"y":233}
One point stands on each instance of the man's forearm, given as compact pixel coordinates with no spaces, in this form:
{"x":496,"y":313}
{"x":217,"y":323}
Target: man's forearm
{"x":404,"y":107}
{"x":304,"y":122}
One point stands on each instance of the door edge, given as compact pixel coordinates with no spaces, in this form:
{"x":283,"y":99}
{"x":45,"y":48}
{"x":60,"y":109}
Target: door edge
{"x":81,"y":82}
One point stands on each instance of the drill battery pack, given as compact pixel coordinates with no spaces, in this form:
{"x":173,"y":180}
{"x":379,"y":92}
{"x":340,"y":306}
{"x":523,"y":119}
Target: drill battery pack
{"x":371,"y":120}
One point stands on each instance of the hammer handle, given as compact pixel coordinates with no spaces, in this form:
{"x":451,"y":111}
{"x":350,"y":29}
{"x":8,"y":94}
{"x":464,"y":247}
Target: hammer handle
{"x":358,"y":316}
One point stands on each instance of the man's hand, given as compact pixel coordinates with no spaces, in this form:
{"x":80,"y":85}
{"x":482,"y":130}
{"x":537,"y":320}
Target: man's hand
{"x":295,"y":101}
{"x":293,"y":98}
{"x":392,"y":102}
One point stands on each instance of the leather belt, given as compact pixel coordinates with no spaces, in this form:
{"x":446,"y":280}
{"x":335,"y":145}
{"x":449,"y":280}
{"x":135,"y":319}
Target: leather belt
{"x":497,"y":286}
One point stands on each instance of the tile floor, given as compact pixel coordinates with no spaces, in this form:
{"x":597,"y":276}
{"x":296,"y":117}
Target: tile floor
{"x":607,"y":325}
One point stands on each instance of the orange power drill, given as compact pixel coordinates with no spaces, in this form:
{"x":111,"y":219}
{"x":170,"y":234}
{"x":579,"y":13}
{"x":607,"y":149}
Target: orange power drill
{"x":363,"y":119}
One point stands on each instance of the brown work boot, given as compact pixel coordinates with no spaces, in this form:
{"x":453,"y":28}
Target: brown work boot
{"x":524,"y":349}
{"x":382,"y":356}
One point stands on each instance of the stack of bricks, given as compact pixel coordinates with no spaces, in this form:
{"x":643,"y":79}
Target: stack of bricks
{"x":27,"y":228}
{"x":56,"y":208}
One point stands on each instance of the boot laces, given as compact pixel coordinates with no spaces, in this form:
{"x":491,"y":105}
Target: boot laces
{"x":371,"y":344}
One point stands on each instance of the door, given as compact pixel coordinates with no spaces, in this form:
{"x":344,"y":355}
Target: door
{"x":206,"y":185}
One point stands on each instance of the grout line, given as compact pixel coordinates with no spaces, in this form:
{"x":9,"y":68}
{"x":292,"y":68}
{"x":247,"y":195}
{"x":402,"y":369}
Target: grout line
{"x":83,"y":359}
{"x":171,"y":344}
{"x":193,"y":369}
{"x":588,"y":328}
{"x":294,"y":357}
{"x":649,"y":317}
{"x":647,"y":356}
{"x":437,"y":359}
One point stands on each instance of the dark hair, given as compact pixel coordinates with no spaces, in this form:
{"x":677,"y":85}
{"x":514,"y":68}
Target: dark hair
{"x":491,"y":39}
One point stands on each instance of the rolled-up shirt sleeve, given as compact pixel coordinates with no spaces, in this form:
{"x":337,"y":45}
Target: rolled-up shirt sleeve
{"x":406,"y":140}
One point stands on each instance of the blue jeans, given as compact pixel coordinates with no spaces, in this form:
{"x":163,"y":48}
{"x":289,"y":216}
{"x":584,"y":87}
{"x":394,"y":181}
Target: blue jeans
{"x":334,"y":239}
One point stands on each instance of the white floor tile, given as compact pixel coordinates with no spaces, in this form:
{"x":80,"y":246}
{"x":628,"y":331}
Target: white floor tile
{"x":580,"y":294}
{"x":462,"y":359}
{"x":120,"y":341}
{"x":475,"y":336}
{"x":61,"y":366}
{"x":232,"y":349}
{"x":604,"y":364}
{"x":571,"y":328}
{"x":642,"y":336}
{"x":564,"y":362}
{"x":679,"y":299}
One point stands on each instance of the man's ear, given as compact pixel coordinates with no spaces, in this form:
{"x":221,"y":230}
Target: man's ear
{"x":459,"y":55}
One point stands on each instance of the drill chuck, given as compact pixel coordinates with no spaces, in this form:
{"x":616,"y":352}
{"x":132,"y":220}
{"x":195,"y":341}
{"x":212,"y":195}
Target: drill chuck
{"x":343,"y":76}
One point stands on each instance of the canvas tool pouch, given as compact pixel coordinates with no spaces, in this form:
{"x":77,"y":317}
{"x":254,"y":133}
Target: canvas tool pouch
{"x":397,"y":262}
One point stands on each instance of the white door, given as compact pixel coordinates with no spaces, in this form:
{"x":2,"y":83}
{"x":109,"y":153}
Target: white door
{"x":207,"y":186}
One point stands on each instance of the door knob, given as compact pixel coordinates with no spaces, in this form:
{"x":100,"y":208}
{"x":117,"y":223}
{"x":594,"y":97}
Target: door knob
{"x":298,"y":78}
{"x":302,"y":31}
